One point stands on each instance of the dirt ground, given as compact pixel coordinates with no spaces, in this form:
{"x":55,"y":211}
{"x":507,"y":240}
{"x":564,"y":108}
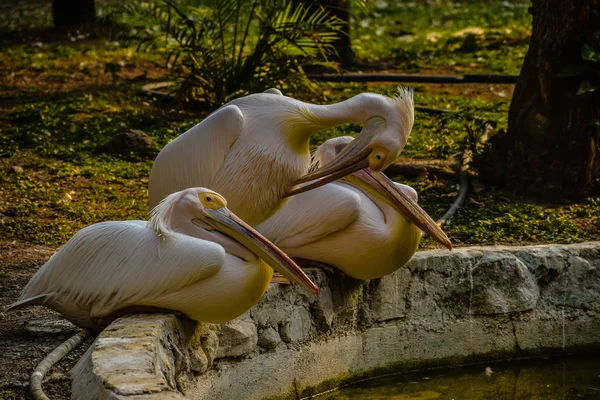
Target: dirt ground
{"x":27,"y":336}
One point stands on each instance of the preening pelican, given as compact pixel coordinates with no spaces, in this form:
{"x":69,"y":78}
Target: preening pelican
{"x":193,"y":256}
{"x":364,"y":224}
{"x":255,"y":149}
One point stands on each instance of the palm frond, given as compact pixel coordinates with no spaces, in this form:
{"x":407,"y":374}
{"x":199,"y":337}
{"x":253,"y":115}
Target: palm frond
{"x":226,"y":48}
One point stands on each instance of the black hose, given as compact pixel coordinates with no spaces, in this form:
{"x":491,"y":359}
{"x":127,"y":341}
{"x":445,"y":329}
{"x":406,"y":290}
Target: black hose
{"x":416,"y":78}
{"x":462,"y":192}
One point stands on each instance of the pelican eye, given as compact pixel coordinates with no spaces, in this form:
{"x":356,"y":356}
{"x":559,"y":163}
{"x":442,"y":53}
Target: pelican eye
{"x":377,"y":158}
{"x":212,"y":201}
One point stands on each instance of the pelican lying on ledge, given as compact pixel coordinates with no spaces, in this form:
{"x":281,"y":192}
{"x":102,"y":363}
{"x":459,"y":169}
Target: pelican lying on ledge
{"x":255,"y":149}
{"x":193,"y":256}
{"x":365,"y":225}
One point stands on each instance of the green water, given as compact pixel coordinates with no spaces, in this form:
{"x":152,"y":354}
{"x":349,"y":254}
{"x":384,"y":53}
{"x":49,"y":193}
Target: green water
{"x":567,"y":378}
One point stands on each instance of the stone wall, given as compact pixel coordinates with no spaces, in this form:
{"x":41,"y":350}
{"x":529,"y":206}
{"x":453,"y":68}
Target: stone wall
{"x":445,"y":308}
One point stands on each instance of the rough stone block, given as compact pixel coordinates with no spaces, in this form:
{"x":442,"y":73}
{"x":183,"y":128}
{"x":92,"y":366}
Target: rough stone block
{"x":130,"y":359}
{"x":389,"y":300}
{"x":498,"y":283}
{"x":198,"y":361}
{"x":237,"y":338}
{"x":268,"y":338}
{"x":298,"y":326}
{"x":446,"y":307}
{"x":322,"y":308}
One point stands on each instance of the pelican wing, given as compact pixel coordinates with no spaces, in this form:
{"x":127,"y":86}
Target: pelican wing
{"x":407,"y":190}
{"x":193,"y":158}
{"x":273,"y":91}
{"x":110,"y":265}
{"x":312,"y":215}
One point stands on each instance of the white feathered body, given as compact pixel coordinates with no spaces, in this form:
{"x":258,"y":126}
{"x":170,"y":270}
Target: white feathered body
{"x":113,"y":265}
{"x":254,"y":148}
{"x":338,"y":224}
{"x":250,"y":151}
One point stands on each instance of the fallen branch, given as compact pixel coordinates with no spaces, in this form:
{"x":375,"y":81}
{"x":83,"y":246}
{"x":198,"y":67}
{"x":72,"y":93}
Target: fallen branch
{"x":153,"y":89}
{"x":416,"y":78}
{"x":35,"y":381}
{"x":416,"y":168}
{"x":431,"y":110}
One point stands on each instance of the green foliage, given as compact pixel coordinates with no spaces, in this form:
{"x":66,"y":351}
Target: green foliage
{"x":436,"y":136}
{"x":591,"y":52}
{"x":467,"y":36}
{"x":495,"y":217}
{"x":63,"y":100}
{"x":587,"y":69}
{"x":77,"y":127}
{"x":68,"y":181}
{"x":52,"y":199}
{"x":230,"y":48}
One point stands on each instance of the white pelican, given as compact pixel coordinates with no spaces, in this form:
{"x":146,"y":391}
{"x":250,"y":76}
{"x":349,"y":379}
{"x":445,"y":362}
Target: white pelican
{"x":355,"y":224}
{"x":193,"y":256}
{"x":255,"y":149}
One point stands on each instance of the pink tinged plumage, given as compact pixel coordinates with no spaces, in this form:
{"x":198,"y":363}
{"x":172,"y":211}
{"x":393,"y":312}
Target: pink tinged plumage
{"x":344,"y":225}
{"x":169,"y":263}
{"x":255,"y":148}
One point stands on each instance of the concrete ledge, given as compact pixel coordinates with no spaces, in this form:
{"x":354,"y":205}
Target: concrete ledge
{"x":445,"y":308}
{"x":136,"y":357}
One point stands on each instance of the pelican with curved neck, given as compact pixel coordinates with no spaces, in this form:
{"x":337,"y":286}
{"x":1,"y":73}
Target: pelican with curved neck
{"x":255,"y":149}
{"x":364,"y":224}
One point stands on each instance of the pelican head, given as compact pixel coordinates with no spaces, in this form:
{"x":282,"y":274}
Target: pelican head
{"x":388,"y":122}
{"x":207,"y":210}
{"x":379,"y":185}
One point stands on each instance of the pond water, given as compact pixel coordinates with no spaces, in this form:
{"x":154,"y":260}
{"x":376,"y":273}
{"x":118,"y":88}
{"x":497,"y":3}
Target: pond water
{"x":576,"y":377}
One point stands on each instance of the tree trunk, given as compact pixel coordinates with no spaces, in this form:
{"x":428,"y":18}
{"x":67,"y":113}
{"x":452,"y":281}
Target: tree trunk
{"x":340,"y":9}
{"x":551,"y":150}
{"x":73,"y":12}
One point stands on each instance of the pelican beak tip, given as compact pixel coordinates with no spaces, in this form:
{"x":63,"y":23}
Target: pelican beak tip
{"x":447,"y":243}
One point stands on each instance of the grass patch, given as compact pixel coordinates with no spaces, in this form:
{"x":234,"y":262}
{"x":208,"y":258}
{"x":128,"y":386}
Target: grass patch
{"x":495,"y":217}
{"x":467,"y":37}
{"x":60,"y":104}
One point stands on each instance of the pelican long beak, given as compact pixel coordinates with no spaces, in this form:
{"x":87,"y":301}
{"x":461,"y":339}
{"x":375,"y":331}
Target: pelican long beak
{"x":354,"y":157}
{"x":329,"y":173}
{"x":228,"y":223}
{"x":379,"y":184}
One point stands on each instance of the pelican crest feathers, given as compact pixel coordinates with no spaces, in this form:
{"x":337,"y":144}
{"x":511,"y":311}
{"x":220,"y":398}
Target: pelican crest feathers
{"x":160,"y":216}
{"x":406,"y":105}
